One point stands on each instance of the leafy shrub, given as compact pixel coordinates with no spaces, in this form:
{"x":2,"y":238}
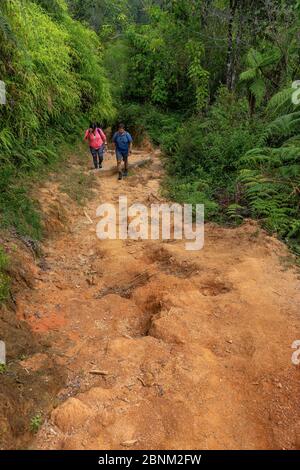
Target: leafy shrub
{"x":142,"y":120}
{"x":116,"y":57}
{"x":36,"y":422}
{"x":16,"y":207}
{"x":270,"y":174}
{"x":194,"y":192}
{"x":55,"y":81}
{"x":204,"y":157}
{"x":165,"y":68}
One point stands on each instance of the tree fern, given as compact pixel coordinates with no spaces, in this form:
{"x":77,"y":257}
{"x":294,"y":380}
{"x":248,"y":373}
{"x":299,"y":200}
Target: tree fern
{"x":281,"y":102}
{"x":271,"y":178}
{"x":254,"y":77}
{"x":283,"y":127}
{"x":5,"y":28}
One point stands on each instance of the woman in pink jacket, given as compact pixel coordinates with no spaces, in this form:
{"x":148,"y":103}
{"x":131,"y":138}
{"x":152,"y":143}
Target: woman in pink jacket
{"x":97,"y":141}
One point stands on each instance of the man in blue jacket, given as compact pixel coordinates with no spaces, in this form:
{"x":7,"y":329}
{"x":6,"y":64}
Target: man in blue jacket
{"x":123,"y":143}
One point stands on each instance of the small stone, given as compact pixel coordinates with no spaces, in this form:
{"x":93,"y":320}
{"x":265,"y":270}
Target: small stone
{"x":129,"y":443}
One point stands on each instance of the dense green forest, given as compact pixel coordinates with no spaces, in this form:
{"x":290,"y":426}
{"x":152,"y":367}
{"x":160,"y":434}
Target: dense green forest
{"x":213,"y":82}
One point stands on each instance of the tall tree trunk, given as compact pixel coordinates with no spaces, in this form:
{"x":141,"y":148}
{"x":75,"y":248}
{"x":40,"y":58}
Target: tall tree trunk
{"x":230,"y":50}
{"x":237,"y":51}
{"x":252,"y":104}
{"x":205,"y":8}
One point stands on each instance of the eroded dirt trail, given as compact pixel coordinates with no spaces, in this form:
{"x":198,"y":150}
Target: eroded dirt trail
{"x":165,"y":348}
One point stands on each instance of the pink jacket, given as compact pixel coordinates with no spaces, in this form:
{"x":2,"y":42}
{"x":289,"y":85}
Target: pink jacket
{"x":95,"y":140}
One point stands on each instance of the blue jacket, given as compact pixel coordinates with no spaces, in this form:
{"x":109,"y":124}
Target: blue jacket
{"x":122,"y":141}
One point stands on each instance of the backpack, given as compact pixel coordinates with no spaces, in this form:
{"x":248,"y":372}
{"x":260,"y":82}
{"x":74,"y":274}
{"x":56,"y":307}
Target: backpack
{"x":101,"y":133}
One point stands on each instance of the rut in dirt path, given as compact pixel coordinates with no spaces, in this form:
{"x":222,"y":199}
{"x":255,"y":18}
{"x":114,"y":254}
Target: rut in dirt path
{"x":165,"y":348}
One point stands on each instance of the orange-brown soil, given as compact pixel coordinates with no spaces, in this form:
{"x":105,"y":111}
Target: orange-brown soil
{"x":162,"y":348}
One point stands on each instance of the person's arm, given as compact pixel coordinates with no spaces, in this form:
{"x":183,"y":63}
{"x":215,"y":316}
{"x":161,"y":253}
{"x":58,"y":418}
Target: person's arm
{"x":86,"y":136}
{"x":130,"y":143}
{"x":115,"y":141}
{"x":103,"y":136}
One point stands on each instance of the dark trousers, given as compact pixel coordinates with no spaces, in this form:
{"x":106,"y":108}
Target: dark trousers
{"x":98,"y":155}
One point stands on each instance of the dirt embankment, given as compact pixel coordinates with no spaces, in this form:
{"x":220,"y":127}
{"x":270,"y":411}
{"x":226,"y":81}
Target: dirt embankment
{"x":27,"y":388}
{"x":154,"y":347}
{"x":32,"y":377}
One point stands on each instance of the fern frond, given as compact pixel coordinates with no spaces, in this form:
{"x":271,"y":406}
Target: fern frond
{"x":281,"y":102}
{"x":248,"y":75}
{"x":254,"y":58}
{"x":271,"y":57}
{"x":258,"y":89}
{"x":6,"y":29}
{"x":283,"y":127}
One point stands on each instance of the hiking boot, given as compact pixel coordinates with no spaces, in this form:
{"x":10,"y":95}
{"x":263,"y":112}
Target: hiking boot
{"x":100,"y":166}
{"x":125,"y":173}
{"x":120,"y":176}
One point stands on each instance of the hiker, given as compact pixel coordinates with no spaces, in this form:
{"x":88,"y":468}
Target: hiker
{"x":97,"y":141}
{"x":123,"y":143}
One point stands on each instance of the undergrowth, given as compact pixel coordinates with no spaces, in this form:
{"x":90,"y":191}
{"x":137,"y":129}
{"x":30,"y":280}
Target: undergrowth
{"x":52,"y":66}
{"x":237,"y":166}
